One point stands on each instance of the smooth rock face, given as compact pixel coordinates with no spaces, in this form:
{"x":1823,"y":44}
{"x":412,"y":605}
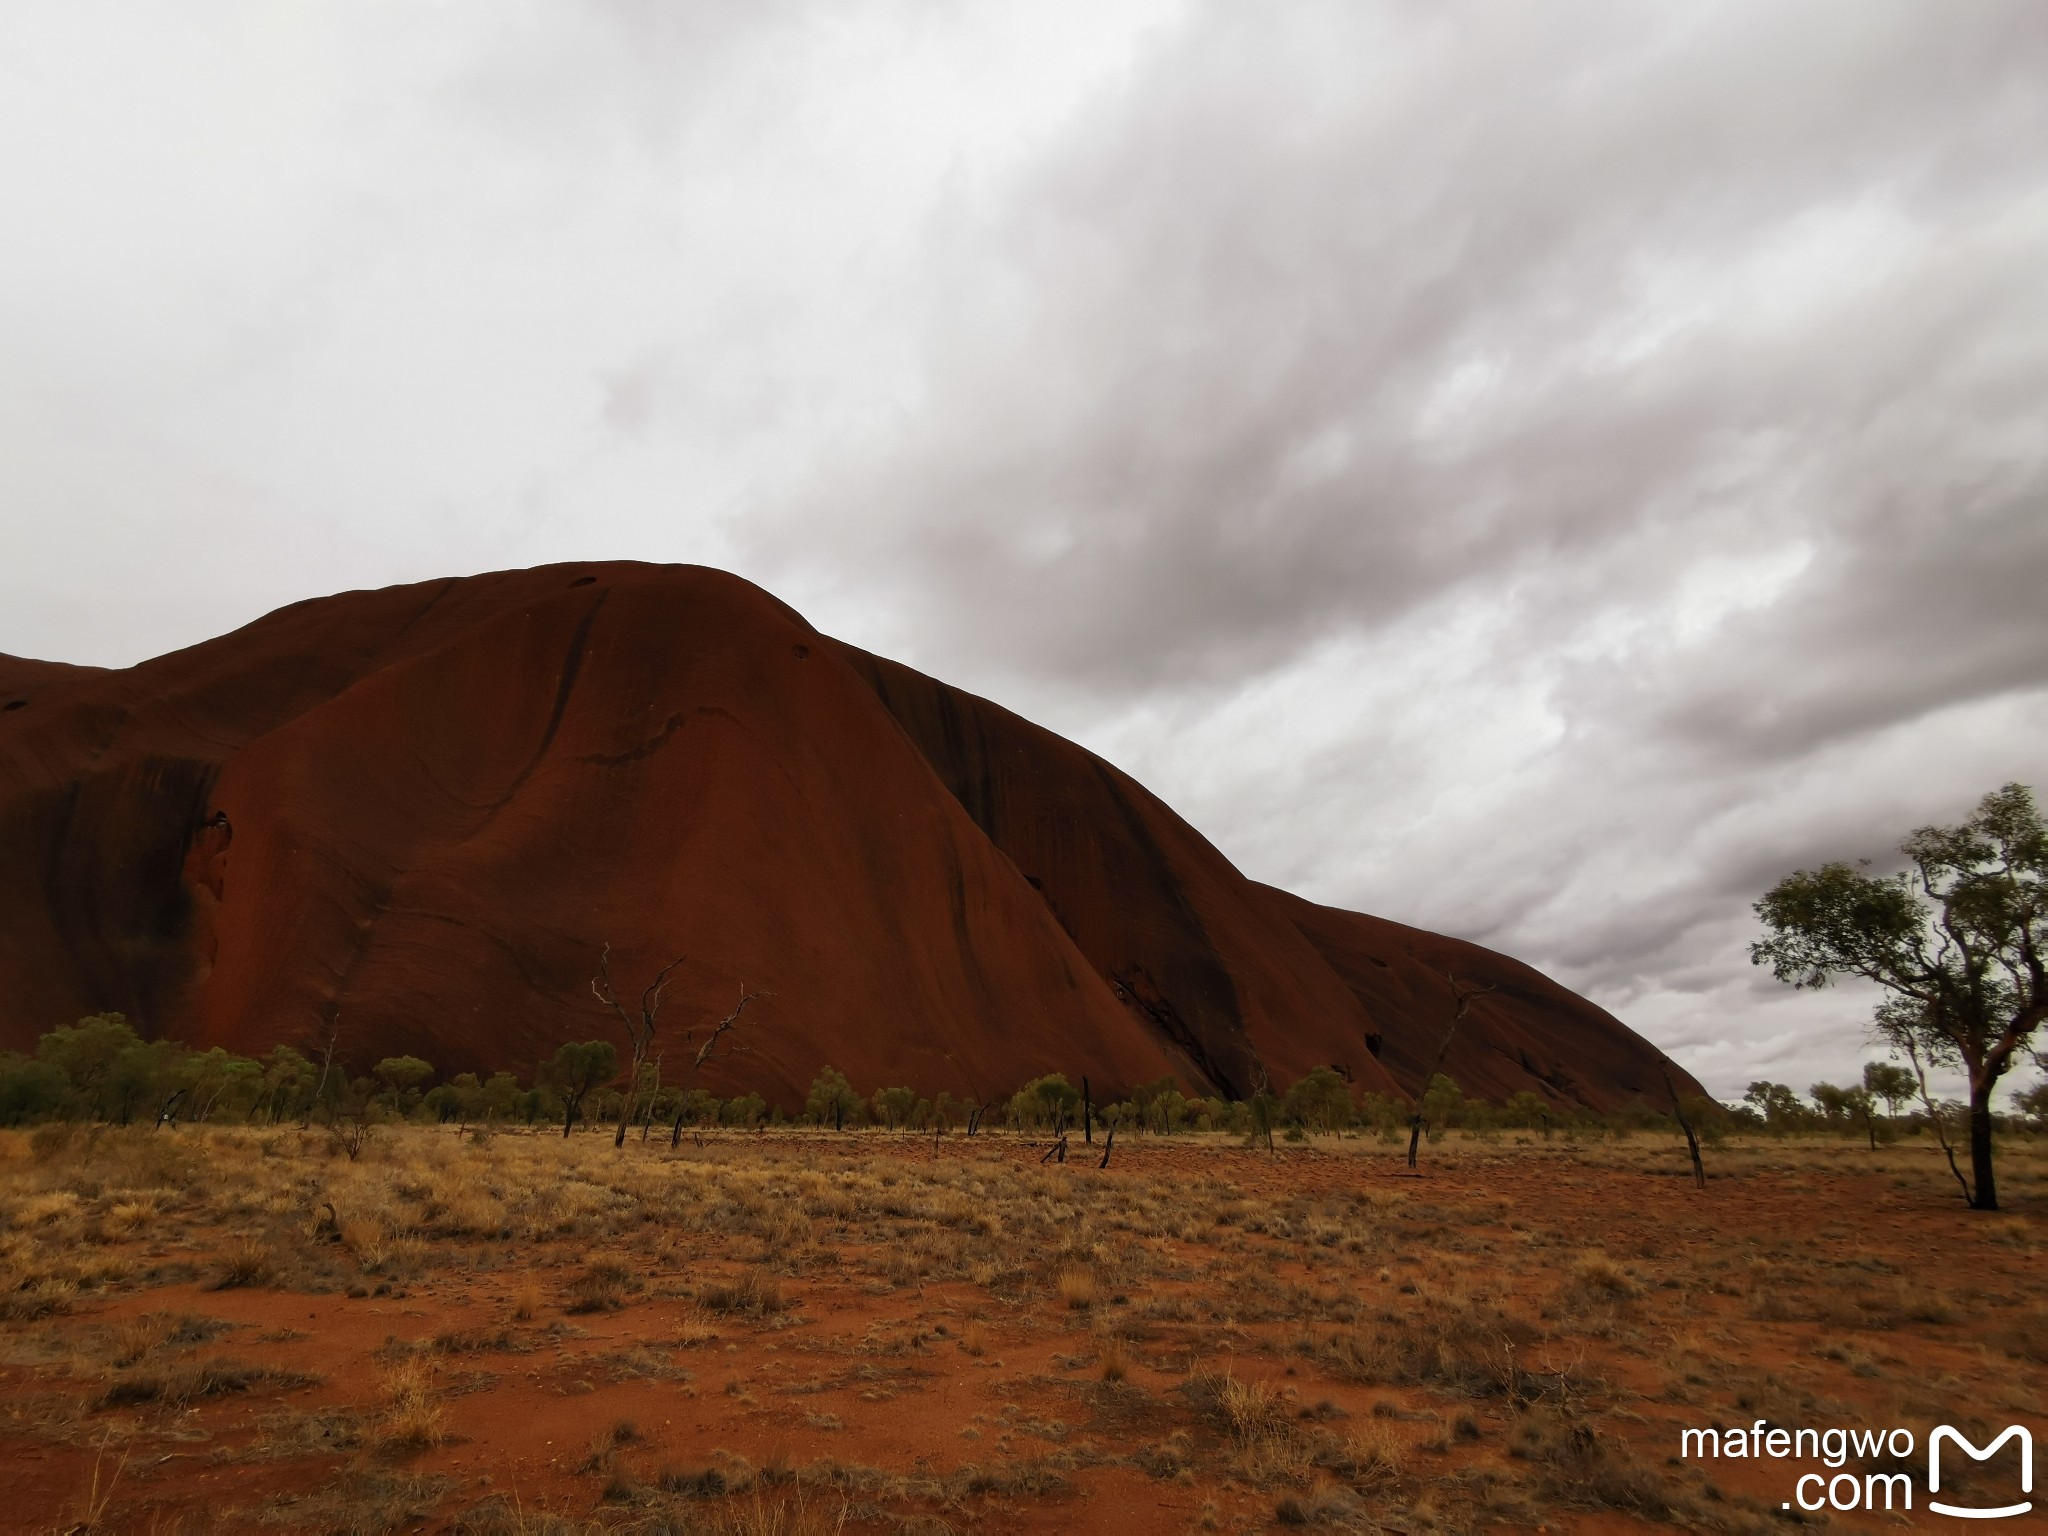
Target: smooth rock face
{"x":415,"y":816}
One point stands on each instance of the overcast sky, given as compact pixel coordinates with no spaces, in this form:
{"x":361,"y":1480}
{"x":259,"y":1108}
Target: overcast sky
{"x":1539,"y":472}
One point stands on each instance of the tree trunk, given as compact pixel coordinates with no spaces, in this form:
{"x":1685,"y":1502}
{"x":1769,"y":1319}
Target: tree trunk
{"x":1414,"y":1137}
{"x":568,"y":1118}
{"x":1087,"y":1112}
{"x":632,"y":1105}
{"x":1692,"y":1141}
{"x":1985,"y":1196}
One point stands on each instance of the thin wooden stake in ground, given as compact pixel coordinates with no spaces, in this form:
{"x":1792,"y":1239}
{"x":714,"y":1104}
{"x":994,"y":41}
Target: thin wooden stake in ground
{"x":1462,"y":996}
{"x":1692,"y":1142}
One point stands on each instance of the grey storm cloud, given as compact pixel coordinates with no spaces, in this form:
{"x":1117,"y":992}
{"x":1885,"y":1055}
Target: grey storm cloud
{"x":1664,"y":385}
{"x":1326,"y":313}
{"x":1538,"y":472}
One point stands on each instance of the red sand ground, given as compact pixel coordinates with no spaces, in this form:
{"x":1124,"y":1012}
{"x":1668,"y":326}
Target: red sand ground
{"x":1809,"y":1285}
{"x":422,"y":811}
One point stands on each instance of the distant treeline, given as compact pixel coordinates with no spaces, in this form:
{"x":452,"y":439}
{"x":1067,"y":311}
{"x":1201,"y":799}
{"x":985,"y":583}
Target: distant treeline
{"x":100,"y":1069}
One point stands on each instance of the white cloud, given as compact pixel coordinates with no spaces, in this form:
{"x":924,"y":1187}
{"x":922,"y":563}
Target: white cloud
{"x":1537,"y":473}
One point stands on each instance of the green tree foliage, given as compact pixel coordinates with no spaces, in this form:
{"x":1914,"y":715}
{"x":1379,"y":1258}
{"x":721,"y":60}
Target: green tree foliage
{"x":1855,"y":1106}
{"x":213,"y":1082}
{"x":1710,"y":1118}
{"x":1261,"y":1110}
{"x":1144,"y":1100}
{"x":500,"y":1097}
{"x":1833,"y":1102}
{"x":109,"y":1070}
{"x":1384,"y":1113}
{"x":1889,"y":1082}
{"x":1321,"y":1101}
{"x":1442,"y":1102}
{"x":1050,"y":1102}
{"x":746,"y":1111}
{"x":1957,"y":939}
{"x":577,"y":1068}
{"x":697,"y":1106}
{"x":99,"y":1068}
{"x":403,"y":1078}
{"x":30,"y":1089}
{"x":288,"y":1082}
{"x":832,"y":1100}
{"x":893,"y":1106}
{"x":2034,"y":1105}
{"x":460,"y":1098}
{"x":1776,"y":1105}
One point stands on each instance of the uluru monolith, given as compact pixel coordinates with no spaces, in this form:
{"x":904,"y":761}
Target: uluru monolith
{"x":413,"y":817}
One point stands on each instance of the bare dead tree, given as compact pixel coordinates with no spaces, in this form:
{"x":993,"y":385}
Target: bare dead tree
{"x":639,"y":1029}
{"x":718,"y":1032}
{"x":1461,"y":999}
{"x":326,"y":1067}
{"x":1692,"y":1141}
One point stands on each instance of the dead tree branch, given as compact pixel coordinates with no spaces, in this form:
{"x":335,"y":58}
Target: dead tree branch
{"x":1461,"y":999}
{"x":718,"y":1032}
{"x":639,"y":1031}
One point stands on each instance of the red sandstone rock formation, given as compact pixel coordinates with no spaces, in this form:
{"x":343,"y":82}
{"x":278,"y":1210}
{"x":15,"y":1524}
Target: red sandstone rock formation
{"x":422,"y":811}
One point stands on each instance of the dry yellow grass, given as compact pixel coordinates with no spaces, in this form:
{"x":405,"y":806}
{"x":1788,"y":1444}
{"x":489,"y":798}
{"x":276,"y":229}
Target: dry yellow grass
{"x":1076,"y":1286}
{"x":1533,"y":1319}
{"x":412,"y":1417}
{"x":1113,"y":1359}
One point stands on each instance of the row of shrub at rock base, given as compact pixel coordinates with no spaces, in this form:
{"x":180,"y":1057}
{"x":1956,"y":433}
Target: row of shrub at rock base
{"x":100,"y":1069}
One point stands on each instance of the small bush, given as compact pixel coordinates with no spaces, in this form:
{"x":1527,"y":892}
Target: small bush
{"x":248,"y":1263}
{"x":1113,"y":1359}
{"x":1076,"y":1287}
{"x":755,"y":1293}
{"x":412,"y":1419}
{"x":602,"y":1287}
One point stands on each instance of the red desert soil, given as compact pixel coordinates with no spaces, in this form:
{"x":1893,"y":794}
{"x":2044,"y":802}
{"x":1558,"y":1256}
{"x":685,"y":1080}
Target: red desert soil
{"x":422,"y":812}
{"x":246,"y":1330}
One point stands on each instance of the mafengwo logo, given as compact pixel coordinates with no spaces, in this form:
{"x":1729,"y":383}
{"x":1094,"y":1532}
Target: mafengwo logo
{"x":1943,"y":1434}
{"x":1888,"y":1489}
